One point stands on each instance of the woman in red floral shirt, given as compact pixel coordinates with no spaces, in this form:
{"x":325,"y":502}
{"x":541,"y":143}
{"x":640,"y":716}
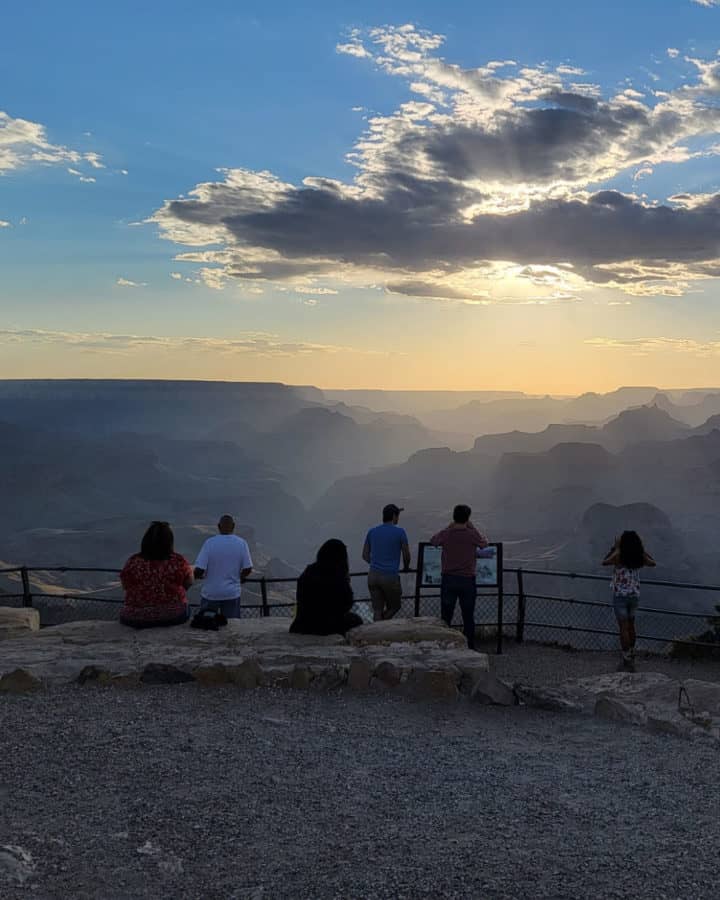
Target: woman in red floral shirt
{"x":155,"y":580}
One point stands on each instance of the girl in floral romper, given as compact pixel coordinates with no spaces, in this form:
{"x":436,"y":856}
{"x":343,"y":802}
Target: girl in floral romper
{"x":628,"y":556}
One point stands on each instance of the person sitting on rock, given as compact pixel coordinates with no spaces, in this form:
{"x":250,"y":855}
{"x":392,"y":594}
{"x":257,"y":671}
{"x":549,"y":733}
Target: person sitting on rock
{"x":324,"y":594}
{"x":628,"y":555}
{"x":155,"y":581}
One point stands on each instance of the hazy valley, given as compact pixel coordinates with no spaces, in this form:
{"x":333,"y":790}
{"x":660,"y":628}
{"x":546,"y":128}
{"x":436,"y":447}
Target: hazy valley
{"x":85,"y":465}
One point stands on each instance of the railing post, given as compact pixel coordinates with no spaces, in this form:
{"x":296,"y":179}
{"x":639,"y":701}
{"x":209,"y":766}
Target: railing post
{"x":418,"y":576}
{"x":520,"y":626}
{"x":263,"y":594}
{"x":500,"y":609}
{"x":27,"y":596}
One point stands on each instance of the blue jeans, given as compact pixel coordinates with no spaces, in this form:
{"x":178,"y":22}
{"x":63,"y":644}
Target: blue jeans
{"x":231,"y":608}
{"x":459,"y":588}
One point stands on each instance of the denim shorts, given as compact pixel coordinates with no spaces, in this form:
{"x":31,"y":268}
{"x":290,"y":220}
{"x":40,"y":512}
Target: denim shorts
{"x":625,"y":605}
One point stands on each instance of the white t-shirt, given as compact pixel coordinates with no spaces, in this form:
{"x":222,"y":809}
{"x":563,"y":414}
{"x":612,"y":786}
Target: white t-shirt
{"x":223,"y":557}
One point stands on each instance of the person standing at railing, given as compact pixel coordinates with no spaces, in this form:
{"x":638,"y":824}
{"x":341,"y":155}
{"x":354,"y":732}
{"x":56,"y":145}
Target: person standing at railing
{"x":155,"y":581}
{"x":223,"y":564}
{"x":628,"y":556}
{"x":460,"y":542}
{"x":384,"y":546}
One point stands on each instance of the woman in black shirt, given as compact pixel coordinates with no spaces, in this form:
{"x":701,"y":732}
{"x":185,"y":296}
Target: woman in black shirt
{"x":324,"y":594}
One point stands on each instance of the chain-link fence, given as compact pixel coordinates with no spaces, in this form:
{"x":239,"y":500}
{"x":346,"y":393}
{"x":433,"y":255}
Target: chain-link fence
{"x":549,"y":607}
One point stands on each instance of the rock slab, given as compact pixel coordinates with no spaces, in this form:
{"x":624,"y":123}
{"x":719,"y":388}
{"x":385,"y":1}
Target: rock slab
{"x":419,"y":656}
{"x":649,"y":700}
{"x":16,"y":623}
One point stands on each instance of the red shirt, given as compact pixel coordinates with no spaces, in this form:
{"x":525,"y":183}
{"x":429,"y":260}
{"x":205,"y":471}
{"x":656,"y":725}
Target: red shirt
{"x":459,"y":544}
{"x":155,"y":588}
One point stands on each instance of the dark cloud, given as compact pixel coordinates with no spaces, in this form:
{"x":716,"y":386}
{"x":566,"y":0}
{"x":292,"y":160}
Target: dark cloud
{"x":496,"y":169}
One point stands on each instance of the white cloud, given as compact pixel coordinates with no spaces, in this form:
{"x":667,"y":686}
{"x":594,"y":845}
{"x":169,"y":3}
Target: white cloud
{"x":487,"y":172}
{"x":94,"y":159}
{"x":257,"y":343}
{"x":176,"y":275}
{"x":24,"y":143}
{"x":124,"y":172}
{"x":673,"y":52}
{"x":125,"y":282}
{"x":646,"y":346}
{"x":86,"y":179}
{"x":707,"y":2}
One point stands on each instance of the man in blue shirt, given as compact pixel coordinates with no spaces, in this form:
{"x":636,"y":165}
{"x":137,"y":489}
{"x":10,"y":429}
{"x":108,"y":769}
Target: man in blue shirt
{"x":384,"y":545}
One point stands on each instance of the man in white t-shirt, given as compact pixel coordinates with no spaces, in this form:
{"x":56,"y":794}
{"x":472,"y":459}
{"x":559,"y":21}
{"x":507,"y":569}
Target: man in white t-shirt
{"x":223,"y":564}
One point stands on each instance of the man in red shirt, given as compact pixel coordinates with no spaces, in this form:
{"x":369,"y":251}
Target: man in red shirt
{"x":460,"y":542}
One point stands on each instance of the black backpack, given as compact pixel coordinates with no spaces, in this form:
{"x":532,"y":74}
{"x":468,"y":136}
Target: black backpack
{"x":209,"y":620}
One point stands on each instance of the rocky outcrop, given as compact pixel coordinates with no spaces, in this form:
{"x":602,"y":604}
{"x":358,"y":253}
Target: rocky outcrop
{"x":648,"y":699}
{"x":420,"y":657}
{"x":17,"y":622}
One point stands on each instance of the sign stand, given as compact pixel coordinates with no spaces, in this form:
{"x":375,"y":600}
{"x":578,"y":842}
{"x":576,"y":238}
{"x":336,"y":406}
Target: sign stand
{"x":489,"y":573}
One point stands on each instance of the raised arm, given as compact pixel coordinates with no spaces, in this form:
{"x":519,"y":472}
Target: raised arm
{"x":612,"y":558}
{"x":437,"y":540}
{"x":648,"y":560}
{"x":480,"y":539}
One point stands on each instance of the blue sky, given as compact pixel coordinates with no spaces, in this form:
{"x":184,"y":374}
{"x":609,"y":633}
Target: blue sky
{"x":151,"y":100}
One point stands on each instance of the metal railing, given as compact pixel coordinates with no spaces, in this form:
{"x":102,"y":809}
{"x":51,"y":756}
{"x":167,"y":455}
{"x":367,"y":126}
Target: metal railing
{"x":515,"y":612}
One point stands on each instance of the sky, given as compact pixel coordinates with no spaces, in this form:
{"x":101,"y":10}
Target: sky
{"x":456,"y":195}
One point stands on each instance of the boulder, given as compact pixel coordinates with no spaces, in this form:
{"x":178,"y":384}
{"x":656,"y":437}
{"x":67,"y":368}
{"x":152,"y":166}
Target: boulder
{"x":359,"y":674}
{"x":434,"y":683}
{"x":94,"y":675}
{"x":16,"y":623}
{"x":19,"y":681}
{"x":406,"y":631}
{"x":160,"y":673}
{"x":300,"y":678}
{"x":387,"y":674}
{"x":491,"y":691}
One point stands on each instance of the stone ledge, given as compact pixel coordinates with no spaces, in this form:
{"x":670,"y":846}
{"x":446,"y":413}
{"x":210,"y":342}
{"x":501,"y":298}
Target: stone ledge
{"x":430,"y":661}
{"x":648,"y":700}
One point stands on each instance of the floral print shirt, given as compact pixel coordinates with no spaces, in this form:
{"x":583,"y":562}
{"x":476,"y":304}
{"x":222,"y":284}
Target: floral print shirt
{"x":155,"y":588}
{"x":626,"y":582}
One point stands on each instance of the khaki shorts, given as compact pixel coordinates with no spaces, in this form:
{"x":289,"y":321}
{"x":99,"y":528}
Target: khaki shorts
{"x":386,"y":595}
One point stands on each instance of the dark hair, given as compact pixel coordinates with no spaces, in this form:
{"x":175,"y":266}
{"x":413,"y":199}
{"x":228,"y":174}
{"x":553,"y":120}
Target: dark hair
{"x":158,"y":541}
{"x":631,"y":551}
{"x":333,"y":557}
{"x":388,"y":516}
{"x":461,"y":514}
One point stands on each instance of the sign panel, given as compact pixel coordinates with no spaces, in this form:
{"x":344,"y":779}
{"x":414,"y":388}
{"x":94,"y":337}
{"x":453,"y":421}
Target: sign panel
{"x":487,"y":572}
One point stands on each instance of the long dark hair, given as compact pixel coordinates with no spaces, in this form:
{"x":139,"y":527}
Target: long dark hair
{"x":631,"y":551}
{"x":332,"y":558}
{"x":158,"y":541}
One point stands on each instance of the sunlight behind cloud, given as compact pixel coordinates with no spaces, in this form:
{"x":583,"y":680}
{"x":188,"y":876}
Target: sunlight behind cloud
{"x":458,"y":193}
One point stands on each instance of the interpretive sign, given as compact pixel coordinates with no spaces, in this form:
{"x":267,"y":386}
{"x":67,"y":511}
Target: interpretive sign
{"x":488,"y":572}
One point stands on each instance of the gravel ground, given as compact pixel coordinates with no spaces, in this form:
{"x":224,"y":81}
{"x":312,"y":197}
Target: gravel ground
{"x":184,"y":792}
{"x":542,"y":664}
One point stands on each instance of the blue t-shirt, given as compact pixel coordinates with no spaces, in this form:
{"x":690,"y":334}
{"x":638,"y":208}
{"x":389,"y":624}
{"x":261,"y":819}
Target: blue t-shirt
{"x":385,"y":542}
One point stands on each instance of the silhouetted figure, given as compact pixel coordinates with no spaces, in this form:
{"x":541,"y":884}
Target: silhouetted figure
{"x":155,"y":580}
{"x":324,"y":594}
{"x":384,"y":545}
{"x":460,"y":542}
{"x":223,"y":564}
{"x":628,"y":555}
